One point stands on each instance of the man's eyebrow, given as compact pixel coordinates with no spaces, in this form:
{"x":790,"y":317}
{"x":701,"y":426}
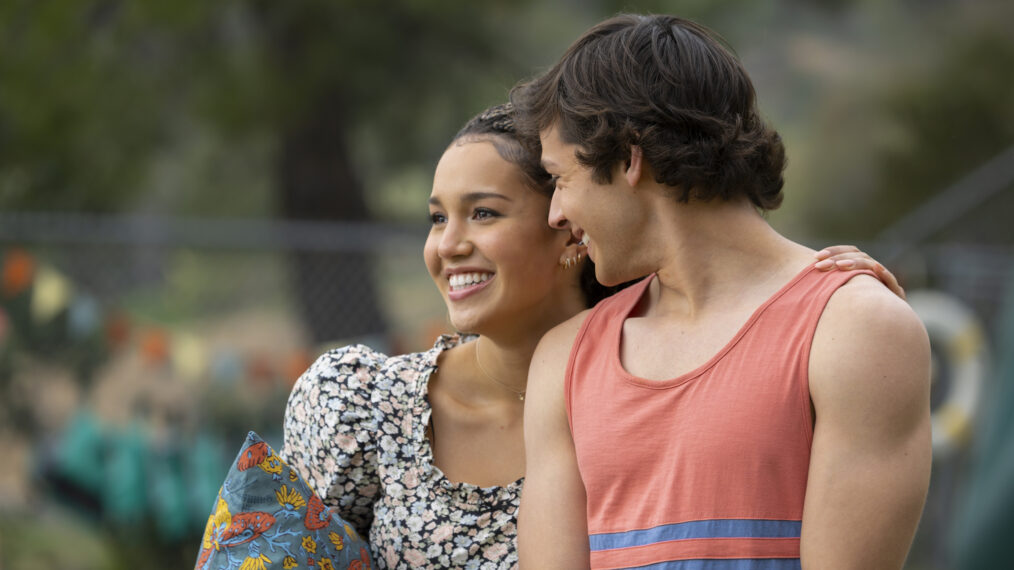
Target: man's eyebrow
{"x":474,"y":197}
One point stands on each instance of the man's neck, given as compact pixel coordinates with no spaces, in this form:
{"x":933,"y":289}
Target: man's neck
{"x":719,"y":251}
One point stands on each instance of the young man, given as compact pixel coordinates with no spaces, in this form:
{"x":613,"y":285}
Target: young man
{"x":736,"y":409}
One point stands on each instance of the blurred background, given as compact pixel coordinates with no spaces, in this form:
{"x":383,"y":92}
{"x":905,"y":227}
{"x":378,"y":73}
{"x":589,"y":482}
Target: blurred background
{"x":197,"y":198}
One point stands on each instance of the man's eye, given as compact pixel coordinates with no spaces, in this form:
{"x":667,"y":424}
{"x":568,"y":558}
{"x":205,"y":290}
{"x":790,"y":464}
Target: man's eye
{"x":437,"y":218}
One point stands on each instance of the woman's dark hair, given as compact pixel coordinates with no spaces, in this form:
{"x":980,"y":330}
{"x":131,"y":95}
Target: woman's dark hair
{"x":498,"y":126}
{"x":671,"y":87}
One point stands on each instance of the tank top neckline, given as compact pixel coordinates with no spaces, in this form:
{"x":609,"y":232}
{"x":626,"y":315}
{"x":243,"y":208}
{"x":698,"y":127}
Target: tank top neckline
{"x":615,"y":335}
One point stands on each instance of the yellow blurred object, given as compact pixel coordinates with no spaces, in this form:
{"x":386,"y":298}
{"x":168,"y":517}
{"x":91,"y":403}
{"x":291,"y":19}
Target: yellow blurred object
{"x":189,"y":356}
{"x":51,"y":294}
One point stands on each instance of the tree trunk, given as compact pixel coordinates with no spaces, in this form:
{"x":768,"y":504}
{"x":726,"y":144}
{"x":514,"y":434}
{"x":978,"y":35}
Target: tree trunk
{"x":336,"y":289}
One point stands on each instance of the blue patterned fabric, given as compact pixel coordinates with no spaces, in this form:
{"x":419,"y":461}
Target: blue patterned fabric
{"x":266,"y":517}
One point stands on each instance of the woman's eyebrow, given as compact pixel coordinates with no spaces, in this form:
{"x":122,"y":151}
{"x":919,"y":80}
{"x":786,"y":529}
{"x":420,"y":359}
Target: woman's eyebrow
{"x":474,"y":197}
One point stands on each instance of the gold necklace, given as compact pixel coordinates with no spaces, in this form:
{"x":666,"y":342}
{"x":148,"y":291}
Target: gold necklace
{"x":521,"y":394}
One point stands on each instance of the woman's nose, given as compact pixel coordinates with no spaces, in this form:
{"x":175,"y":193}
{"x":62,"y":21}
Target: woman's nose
{"x":454,"y":241}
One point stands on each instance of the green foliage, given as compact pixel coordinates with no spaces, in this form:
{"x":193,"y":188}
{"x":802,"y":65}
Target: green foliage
{"x":884,"y":107}
{"x":27,"y":542}
{"x":65,"y":82}
{"x":957,"y":116}
{"x":94,"y":92}
{"x":179,"y":105}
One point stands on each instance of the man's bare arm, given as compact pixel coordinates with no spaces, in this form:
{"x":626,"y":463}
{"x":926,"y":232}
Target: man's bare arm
{"x":871,"y":454}
{"x":552,"y":524}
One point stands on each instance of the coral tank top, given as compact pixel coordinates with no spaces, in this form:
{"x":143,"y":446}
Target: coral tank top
{"x":706,"y":470}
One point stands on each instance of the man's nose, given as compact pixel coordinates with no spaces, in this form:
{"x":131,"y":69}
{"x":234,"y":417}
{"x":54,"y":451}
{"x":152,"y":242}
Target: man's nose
{"x":557,"y":220}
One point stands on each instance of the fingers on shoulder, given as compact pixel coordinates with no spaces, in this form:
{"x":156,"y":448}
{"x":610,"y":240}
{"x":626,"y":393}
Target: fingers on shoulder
{"x":834,"y":250}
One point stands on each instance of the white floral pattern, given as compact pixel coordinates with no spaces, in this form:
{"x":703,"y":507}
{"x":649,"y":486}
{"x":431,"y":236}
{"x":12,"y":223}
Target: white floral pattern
{"x":355,"y":429}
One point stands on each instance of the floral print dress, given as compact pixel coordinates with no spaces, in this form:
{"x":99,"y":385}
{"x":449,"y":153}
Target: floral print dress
{"x":355,"y":429}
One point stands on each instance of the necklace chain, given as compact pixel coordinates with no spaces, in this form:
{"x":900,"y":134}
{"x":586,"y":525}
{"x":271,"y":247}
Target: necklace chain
{"x":521,"y":393}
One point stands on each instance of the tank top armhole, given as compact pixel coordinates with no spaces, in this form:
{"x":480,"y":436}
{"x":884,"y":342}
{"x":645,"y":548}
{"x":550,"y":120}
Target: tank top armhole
{"x":809,"y":414}
{"x":568,"y":374}
{"x":620,"y":301}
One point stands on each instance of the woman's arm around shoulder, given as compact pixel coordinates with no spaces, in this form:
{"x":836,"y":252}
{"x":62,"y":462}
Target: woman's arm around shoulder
{"x":552,"y":524}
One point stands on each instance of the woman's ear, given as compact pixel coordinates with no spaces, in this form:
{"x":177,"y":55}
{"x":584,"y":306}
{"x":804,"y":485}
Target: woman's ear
{"x":633,"y":171}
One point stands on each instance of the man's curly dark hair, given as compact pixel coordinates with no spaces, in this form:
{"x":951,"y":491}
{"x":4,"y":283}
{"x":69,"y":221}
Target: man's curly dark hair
{"x":674,"y":89}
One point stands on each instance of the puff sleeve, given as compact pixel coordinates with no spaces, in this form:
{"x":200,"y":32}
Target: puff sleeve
{"x":330,"y":431}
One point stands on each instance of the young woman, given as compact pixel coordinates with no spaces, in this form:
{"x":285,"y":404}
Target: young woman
{"x":423,"y":453}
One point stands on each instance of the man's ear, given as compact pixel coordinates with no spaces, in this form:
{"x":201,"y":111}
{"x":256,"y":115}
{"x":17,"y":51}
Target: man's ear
{"x":633,"y":171}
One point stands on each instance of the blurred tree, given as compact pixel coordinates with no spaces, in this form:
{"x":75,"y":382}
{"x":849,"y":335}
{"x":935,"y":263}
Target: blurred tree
{"x":349,"y":60}
{"x":76,"y":110}
{"x":347,"y":91}
{"x":912,"y":118}
{"x":955,"y":118}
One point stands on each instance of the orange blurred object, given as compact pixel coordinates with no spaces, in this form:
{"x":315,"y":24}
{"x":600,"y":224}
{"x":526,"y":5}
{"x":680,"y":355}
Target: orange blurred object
{"x":117,"y":330}
{"x":155,"y":346}
{"x":295,"y":365}
{"x":18,"y":272}
{"x":259,"y":370}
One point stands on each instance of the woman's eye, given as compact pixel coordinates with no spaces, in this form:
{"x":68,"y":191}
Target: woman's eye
{"x":437,"y":218}
{"x":484,"y":213}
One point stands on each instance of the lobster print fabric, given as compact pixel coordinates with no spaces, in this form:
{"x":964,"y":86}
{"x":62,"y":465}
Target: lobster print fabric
{"x":266,"y":517}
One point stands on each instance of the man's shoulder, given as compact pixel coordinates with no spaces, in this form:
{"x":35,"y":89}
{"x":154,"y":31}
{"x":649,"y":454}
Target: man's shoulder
{"x":865,"y":302}
{"x":868,"y":344}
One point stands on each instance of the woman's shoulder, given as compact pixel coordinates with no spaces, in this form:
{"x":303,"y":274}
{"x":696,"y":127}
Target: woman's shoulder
{"x":355,"y":367}
{"x":361,"y":368}
{"x":348,"y":359}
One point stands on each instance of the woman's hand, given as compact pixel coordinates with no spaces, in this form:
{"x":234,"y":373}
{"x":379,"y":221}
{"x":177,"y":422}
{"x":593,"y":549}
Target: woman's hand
{"x":848,"y":257}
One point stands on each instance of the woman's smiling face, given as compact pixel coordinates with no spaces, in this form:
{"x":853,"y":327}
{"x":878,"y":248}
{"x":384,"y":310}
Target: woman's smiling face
{"x":490,"y":251}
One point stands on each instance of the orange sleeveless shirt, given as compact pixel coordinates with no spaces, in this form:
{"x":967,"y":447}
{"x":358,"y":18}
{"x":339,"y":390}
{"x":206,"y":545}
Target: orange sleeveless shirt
{"x":706,"y":470}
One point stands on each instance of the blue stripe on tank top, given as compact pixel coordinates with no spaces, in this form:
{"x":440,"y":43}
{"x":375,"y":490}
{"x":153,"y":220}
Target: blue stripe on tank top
{"x":735,"y":564}
{"x":717,"y":528}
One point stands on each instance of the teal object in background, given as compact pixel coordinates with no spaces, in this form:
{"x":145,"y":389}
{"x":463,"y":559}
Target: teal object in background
{"x":205,"y":476}
{"x":169,"y":491}
{"x":985,"y":520}
{"x":125,"y":493}
{"x":81,"y":454}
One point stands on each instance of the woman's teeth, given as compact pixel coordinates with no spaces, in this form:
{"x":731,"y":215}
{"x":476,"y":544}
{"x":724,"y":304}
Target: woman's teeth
{"x":462,"y":280}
